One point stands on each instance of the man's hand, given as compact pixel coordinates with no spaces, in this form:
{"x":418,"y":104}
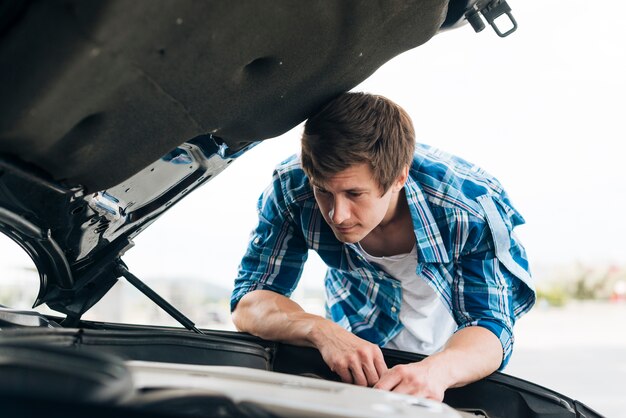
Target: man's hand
{"x":418,"y":379}
{"x":469,"y":355}
{"x":352,"y":358}
{"x":276,"y":317}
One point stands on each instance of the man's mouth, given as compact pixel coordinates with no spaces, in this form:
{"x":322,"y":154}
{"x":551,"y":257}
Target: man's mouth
{"x":344,"y":229}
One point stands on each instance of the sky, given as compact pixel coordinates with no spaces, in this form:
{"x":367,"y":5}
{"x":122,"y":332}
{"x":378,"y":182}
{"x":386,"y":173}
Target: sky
{"x":541,"y":110}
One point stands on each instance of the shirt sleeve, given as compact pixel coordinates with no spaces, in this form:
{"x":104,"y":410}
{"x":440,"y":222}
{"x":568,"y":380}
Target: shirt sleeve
{"x":492,"y":285}
{"x":276,"y":251}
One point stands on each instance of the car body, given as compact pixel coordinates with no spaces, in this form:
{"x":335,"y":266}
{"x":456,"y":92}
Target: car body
{"x":114,"y":111}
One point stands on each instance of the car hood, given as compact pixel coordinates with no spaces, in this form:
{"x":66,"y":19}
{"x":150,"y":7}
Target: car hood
{"x":113,"y":111}
{"x":94,"y":91}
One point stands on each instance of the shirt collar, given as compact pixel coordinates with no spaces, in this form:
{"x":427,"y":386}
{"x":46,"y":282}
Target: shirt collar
{"x":430,"y":246}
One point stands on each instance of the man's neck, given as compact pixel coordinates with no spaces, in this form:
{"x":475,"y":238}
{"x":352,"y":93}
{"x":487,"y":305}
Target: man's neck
{"x":398,"y":209}
{"x":393,"y":235}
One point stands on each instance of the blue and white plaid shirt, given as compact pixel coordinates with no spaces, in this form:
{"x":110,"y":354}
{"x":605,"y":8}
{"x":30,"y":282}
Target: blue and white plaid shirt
{"x":467,"y":252}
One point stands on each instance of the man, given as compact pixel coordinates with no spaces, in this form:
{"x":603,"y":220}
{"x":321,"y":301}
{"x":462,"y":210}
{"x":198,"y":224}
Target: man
{"x":419,"y":247}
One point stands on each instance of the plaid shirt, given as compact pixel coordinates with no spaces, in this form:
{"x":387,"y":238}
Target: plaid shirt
{"x":467,"y":252}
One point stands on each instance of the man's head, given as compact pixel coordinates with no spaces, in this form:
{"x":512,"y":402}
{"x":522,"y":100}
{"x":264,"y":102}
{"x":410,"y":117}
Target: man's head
{"x":358,"y":128}
{"x":356,"y":152}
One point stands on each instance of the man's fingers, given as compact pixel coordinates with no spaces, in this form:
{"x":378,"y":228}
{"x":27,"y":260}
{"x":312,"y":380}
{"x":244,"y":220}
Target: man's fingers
{"x":353,"y":359}
{"x":375,"y":369}
{"x":389,"y":380}
{"x":358,"y":375}
{"x":381,"y":366}
{"x":371,"y":374}
{"x":344,"y":374}
{"x":406,"y":389}
{"x":424,"y":392}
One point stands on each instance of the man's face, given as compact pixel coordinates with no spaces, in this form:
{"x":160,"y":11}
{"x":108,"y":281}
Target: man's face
{"x":351,"y":203}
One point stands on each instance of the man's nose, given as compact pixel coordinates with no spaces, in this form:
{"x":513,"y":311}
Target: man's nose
{"x":339,"y":211}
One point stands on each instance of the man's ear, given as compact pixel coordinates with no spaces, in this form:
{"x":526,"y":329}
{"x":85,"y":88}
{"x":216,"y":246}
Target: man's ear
{"x":401,"y":180}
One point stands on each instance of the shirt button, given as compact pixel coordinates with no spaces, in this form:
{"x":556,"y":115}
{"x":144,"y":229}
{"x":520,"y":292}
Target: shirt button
{"x":393,"y":309}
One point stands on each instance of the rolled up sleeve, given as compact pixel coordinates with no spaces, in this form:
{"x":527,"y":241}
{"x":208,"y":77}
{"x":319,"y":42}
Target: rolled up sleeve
{"x":483,"y":292}
{"x":492,"y":285}
{"x":276,"y":251}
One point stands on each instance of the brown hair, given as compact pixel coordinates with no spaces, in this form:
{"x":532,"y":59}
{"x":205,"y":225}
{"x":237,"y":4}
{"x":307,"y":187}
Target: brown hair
{"x":357,"y":128}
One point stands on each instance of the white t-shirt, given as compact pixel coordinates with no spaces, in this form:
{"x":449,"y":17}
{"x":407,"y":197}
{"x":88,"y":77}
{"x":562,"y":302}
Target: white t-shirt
{"x":427,"y":323}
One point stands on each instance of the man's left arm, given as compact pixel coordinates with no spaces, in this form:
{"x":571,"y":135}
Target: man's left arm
{"x":482,"y":305}
{"x":469,"y":355}
{"x":490,"y":291}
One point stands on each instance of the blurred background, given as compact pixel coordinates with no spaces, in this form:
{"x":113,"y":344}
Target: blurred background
{"x":541,"y":110}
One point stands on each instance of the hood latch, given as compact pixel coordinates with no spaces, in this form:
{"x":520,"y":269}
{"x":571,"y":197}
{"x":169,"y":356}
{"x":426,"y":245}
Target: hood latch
{"x":492,"y":11}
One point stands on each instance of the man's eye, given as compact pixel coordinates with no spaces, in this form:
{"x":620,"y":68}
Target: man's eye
{"x":355,"y":194}
{"x":322,"y":191}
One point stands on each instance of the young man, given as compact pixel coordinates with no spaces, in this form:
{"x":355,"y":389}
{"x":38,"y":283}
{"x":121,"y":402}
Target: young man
{"x":419,"y":247}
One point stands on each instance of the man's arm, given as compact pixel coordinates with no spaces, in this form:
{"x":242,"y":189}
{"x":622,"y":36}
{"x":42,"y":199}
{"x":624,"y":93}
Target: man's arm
{"x":486,"y":296}
{"x":272,"y":316}
{"x":469,"y":355}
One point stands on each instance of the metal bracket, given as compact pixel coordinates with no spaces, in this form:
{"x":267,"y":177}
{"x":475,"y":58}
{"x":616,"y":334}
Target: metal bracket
{"x":491,"y":10}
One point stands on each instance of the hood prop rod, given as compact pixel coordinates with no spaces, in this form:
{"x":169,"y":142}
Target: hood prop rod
{"x":156,"y":298}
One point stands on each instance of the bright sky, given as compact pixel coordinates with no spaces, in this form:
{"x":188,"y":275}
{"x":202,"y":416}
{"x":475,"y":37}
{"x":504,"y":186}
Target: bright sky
{"x":541,"y":110}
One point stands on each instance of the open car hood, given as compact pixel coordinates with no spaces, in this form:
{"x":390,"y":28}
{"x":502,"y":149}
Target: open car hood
{"x":92,"y":92}
{"x":110,"y":112}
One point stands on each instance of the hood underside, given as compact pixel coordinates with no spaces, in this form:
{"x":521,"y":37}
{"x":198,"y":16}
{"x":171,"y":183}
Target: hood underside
{"x":92,"y":92}
{"x":111,"y":112}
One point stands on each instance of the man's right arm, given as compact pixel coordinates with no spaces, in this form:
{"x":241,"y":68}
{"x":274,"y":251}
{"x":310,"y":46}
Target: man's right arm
{"x":269,"y":270}
{"x":272,"y":316}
